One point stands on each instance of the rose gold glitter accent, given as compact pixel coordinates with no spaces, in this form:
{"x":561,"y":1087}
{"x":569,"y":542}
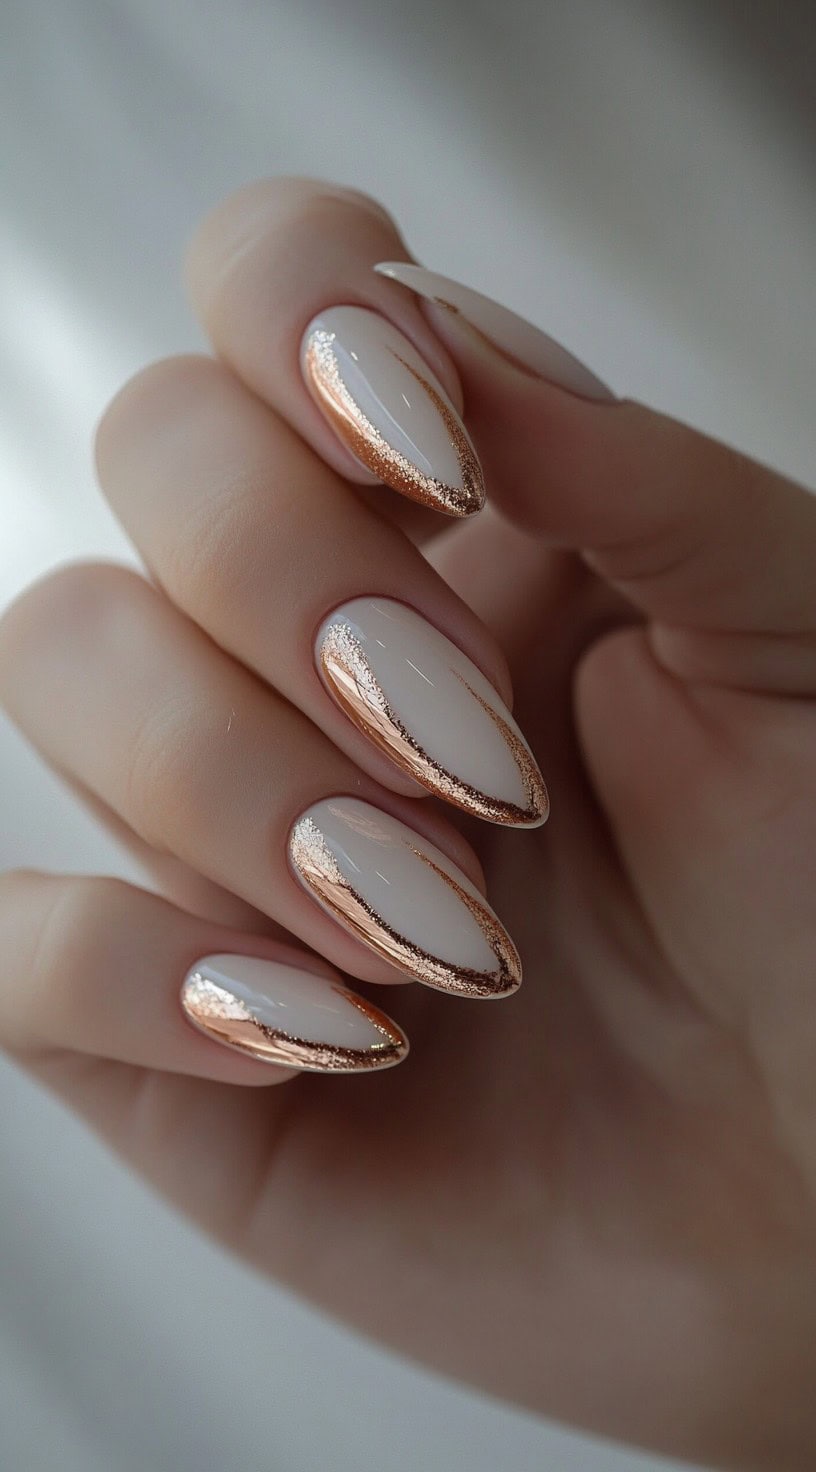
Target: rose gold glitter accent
{"x":509,"y":977}
{"x":228,"y":1020}
{"x":370,"y":446}
{"x":359,"y":694}
{"x":321,"y":874}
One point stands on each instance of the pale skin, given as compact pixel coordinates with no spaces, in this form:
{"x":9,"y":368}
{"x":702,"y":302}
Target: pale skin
{"x":597,"y":1197}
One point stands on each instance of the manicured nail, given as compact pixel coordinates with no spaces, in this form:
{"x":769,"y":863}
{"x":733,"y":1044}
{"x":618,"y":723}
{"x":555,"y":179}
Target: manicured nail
{"x":518,"y":339}
{"x":281,"y":1014}
{"x":403,"y":897}
{"x":428,"y":707}
{"x":390,"y":410}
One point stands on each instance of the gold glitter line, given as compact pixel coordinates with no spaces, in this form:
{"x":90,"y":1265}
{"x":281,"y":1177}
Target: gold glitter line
{"x":373,"y":450}
{"x":226,"y":1018}
{"x":493,"y":932}
{"x":538,"y":802}
{"x":359,"y":694}
{"x":320,"y":872}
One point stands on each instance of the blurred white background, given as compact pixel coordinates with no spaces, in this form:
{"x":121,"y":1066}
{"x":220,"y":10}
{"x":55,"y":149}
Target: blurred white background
{"x":636,"y":177}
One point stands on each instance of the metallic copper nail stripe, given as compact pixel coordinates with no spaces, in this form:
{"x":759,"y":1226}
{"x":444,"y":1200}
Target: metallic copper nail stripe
{"x":359,"y":694}
{"x":320,"y":872}
{"x":369,"y":445}
{"x":227,"y":1019}
{"x":538,"y":802}
{"x":509,"y":973}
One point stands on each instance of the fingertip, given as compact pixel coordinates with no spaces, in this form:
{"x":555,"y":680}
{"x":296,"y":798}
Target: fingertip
{"x":265,"y":261}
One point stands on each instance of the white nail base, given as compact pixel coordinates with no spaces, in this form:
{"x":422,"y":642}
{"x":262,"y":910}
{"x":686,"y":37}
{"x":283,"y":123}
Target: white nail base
{"x":506,"y":330}
{"x":281,"y":1014}
{"x":429,"y":707}
{"x":389,"y":409}
{"x":404,"y":898}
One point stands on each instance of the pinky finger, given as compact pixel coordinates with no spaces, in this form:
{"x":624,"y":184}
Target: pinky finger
{"x":98,"y":967}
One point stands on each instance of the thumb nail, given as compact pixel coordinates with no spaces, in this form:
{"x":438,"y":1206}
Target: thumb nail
{"x":525,"y":345}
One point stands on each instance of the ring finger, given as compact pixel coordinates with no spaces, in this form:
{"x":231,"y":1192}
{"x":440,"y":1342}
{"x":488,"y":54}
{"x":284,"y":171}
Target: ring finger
{"x":201,"y":759}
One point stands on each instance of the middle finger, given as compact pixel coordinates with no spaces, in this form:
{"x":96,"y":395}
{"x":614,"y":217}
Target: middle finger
{"x":278,"y":559}
{"x":136,"y":703}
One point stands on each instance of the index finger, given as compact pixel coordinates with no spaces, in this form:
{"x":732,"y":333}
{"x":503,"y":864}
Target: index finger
{"x":281,"y":276}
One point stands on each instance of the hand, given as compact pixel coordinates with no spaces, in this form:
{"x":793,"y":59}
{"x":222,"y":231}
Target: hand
{"x":597,"y":1196}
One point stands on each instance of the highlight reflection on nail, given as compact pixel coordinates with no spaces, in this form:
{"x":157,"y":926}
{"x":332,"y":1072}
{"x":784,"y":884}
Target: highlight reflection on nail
{"x":280,"y":1014}
{"x":402,"y":897}
{"x":390,"y":410}
{"x":423,"y":702}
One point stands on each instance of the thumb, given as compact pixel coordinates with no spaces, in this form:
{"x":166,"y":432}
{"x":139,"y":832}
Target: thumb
{"x":710,"y":545}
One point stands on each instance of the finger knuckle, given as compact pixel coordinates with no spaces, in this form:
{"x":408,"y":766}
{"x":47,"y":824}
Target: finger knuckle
{"x":219,"y":562}
{"x":67,"y":599}
{"x":161,"y":388}
{"x":279,"y":203}
{"x":167,"y":780}
{"x":251,"y":239}
{"x":67,"y":947}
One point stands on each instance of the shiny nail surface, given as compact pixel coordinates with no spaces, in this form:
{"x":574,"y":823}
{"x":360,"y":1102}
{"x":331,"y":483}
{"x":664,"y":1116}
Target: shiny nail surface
{"x":512,"y":335}
{"x":281,"y":1014}
{"x":390,"y":410}
{"x":403,"y":897}
{"x":427,"y":706}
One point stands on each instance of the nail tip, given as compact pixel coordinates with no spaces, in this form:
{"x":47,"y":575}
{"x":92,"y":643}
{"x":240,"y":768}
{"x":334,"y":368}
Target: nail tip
{"x":316,"y":867}
{"x":508,"y":989}
{"x":528,"y":823}
{"x":368,"y":440}
{"x":539,"y":809}
{"x":457,"y":502}
{"x":535,"y":815}
{"x":378,"y":1061}
{"x":396,"y":1055}
{"x":475,"y":502}
{"x":503,"y":982}
{"x":354,"y":679}
{"x":456,"y":509}
{"x":221,"y":1010}
{"x":475,"y":993}
{"x":499,"y":993}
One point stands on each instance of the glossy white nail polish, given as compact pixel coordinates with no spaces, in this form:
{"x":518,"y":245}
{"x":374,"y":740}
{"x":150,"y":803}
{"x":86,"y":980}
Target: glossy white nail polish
{"x":403,"y":897}
{"x":390,"y":410}
{"x":423,"y":702}
{"x":518,"y":339}
{"x":281,"y":1014}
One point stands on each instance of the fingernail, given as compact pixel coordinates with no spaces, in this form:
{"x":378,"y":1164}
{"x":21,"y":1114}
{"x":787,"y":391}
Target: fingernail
{"x":390,"y":410}
{"x":281,"y":1014}
{"x":428,"y":707}
{"x":518,"y":339}
{"x":403,"y":897}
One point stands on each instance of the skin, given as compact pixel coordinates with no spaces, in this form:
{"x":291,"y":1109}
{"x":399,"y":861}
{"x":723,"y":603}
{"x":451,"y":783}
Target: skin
{"x":597,"y":1198}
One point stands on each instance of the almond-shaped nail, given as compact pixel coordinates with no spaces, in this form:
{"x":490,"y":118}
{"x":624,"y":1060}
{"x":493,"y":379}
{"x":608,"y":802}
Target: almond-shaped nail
{"x":390,"y":410}
{"x":512,"y":335}
{"x":281,"y":1014}
{"x":403,"y":897}
{"x":427,"y":706}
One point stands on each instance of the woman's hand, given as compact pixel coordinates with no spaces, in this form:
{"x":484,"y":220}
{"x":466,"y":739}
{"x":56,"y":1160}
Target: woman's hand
{"x":596,"y":1196}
